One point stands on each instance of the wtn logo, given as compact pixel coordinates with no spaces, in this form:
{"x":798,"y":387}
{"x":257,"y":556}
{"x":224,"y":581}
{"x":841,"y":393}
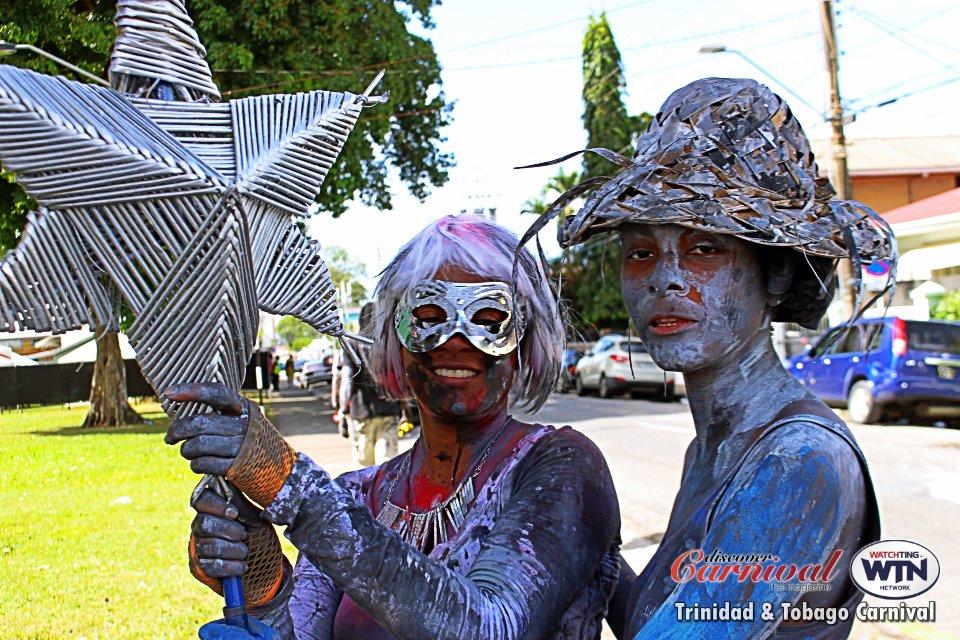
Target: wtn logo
{"x":902,"y":569}
{"x":894,"y":569}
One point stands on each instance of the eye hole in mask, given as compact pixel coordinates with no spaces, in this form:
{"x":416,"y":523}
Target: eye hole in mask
{"x":431,"y":315}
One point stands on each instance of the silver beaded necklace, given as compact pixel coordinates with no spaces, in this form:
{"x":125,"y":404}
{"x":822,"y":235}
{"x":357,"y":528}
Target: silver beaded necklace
{"x":417,"y":529}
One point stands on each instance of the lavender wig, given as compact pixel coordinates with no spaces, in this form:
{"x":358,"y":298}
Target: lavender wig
{"x":478,"y":246}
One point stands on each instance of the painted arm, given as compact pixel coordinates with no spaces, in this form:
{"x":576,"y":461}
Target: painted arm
{"x":801,"y":498}
{"x":306,"y":606}
{"x":546,"y":544}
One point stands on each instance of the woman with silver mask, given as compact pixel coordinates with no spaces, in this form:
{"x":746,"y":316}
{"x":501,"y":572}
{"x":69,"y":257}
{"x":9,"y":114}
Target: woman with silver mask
{"x":489,"y":527}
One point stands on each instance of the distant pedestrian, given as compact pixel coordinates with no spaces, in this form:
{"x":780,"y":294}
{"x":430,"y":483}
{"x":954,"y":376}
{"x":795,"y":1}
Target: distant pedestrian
{"x":371,"y":420}
{"x":275,"y":374}
{"x":291,"y":369}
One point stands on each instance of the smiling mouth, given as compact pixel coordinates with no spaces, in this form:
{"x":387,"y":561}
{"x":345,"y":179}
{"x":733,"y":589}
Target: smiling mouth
{"x":664,"y":325}
{"x":455,"y":373}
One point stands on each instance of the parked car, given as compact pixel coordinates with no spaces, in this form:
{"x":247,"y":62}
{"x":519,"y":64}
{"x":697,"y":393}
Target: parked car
{"x":315,"y":372}
{"x":607,"y":368}
{"x":886,"y":365}
{"x":568,"y":369}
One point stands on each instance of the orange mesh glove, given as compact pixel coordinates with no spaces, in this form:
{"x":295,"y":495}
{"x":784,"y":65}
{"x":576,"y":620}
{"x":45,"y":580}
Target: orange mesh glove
{"x":264,"y":460}
{"x":230,"y":539}
{"x":234,"y":441}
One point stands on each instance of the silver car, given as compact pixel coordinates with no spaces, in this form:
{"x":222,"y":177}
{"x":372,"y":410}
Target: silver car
{"x":617,"y":364}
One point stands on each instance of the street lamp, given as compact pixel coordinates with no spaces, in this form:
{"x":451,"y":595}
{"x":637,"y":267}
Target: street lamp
{"x":8,"y":48}
{"x":720,"y":48}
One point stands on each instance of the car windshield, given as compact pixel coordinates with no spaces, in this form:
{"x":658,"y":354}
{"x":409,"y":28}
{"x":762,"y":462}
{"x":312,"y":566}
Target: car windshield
{"x":633,"y":347}
{"x":934,"y":336}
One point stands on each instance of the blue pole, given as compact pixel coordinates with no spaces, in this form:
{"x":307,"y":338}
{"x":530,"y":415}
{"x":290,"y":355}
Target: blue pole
{"x":235,"y":613}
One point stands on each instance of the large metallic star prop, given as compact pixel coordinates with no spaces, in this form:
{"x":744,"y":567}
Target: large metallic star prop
{"x":183,"y":206}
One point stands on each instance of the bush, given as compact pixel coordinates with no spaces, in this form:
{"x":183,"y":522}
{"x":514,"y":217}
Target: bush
{"x":948,"y":308}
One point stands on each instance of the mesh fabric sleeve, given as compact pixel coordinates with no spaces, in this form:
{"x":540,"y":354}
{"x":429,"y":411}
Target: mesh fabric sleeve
{"x":559,"y":519}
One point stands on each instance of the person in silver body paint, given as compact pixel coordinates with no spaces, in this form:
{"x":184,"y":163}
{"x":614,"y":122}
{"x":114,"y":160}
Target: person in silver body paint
{"x":724,"y":227}
{"x":489,"y":528}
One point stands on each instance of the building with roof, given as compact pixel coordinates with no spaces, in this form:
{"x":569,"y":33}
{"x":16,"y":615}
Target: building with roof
{"x":928,"y":238}
{"x":889,"y":173}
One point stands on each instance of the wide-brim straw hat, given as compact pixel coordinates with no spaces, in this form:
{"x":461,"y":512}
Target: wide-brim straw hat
{"x":727,"y":156}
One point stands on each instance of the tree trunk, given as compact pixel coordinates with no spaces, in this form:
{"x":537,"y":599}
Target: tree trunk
{"x":108,"y":391}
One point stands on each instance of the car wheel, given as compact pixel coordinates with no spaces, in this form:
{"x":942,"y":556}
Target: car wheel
{"x":604,"y":390}
{"x":861,"y":405}
{"x":578,"y":386}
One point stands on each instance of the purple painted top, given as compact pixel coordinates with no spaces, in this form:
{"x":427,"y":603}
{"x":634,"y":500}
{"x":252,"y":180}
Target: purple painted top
{"x":537,"y":556}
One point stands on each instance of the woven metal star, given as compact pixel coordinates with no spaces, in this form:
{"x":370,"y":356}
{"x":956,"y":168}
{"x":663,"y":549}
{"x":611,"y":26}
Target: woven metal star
{"x":183,"y":206}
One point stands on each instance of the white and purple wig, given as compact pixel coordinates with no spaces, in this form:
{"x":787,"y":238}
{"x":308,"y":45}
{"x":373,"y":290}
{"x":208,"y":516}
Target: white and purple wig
{"x":478,"y":246}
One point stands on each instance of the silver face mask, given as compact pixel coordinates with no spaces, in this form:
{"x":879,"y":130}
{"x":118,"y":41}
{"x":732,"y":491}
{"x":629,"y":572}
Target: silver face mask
{"x":461,"y":302}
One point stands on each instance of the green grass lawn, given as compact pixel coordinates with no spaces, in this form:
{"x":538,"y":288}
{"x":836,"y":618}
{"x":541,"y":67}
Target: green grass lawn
{"x":93,"y":530}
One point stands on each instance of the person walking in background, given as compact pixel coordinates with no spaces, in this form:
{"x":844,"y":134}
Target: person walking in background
{"x":275,"y":373}
{"x":291,"y":368}
{"x":371,"y":420}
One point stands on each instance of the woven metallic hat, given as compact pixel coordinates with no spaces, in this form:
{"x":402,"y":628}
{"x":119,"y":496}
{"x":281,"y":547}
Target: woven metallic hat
{"x":727,"y":156}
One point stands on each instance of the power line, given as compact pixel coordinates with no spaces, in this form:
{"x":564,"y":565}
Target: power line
{"x":520,"y":34}
{"x":314,"y":75}
{"x":893,"y":33}
{"x":906,"y":29}
{"x":909,"y":94}
{"x":700,"y":36}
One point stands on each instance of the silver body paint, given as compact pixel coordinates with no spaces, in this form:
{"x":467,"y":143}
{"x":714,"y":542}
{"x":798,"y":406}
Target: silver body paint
{"x":460,"y":301}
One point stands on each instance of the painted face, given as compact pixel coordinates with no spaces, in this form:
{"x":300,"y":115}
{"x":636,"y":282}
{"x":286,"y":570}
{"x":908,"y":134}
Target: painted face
{"x":695,"y":297}
{"x":453,"y":378}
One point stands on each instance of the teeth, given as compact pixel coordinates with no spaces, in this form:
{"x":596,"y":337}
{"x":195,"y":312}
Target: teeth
{"x":455,"y":373}
{"x":672,"y":322}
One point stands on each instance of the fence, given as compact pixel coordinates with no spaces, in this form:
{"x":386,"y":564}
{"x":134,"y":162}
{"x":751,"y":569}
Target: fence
{"x":63,"y":383}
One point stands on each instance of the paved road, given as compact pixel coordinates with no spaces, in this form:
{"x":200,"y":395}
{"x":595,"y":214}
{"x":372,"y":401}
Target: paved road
{"x":916,"y":471}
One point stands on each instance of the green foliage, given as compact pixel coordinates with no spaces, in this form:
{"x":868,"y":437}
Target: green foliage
{"x":266,"y":46}
{"x":346,"y":271}
{"x":14,"y":207}
{"x":295,"y":333}
{"x":948,"y":307}
{"x":81,"y":32}
{"x":591,"y":286}
{"x":605,"y":116}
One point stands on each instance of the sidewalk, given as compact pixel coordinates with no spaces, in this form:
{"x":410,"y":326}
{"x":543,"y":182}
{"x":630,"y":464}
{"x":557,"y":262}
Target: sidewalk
{"x":305,"y":419}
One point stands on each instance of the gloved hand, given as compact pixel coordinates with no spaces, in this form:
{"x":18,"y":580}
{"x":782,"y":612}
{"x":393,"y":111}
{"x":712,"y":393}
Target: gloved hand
{"x":237,"y":442}
{"x":230,"y":539}
{"x":219,"y":630}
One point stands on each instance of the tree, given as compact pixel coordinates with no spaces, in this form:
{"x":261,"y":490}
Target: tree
{"x":948,"y":308}
{"x":257,"y":46}
{"x":592,"y":268}
{"x":604,"y":115}
{"x":295,"y":333}
{"x":345,"y":272}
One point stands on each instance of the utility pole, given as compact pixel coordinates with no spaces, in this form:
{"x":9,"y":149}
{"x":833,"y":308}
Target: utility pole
{"x":838,"y":146}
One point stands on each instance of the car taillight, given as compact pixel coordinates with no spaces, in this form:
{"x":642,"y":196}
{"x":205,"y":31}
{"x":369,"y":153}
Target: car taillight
{"x":572,"y":368}
{"x":616,"y":357}
{"x":328,"y":360}
{"x":899,"y":337}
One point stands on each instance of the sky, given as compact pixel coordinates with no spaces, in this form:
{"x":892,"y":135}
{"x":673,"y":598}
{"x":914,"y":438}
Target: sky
{"x":513,"y":69}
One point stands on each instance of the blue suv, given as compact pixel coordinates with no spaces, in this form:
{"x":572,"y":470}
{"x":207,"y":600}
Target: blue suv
{"x":886,"y":365}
